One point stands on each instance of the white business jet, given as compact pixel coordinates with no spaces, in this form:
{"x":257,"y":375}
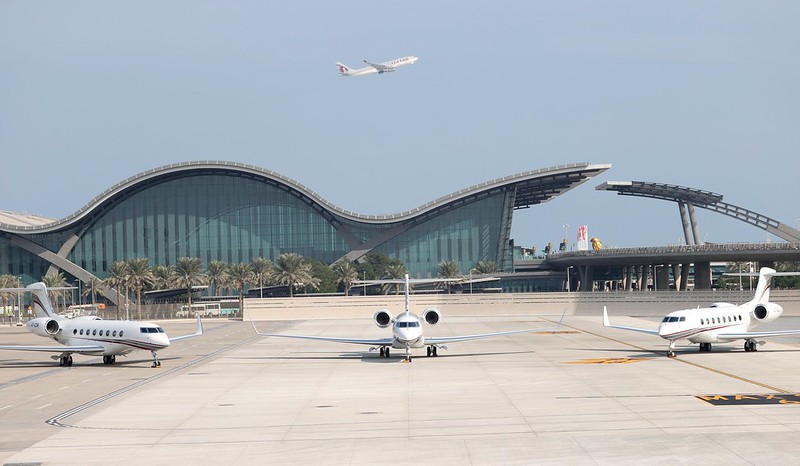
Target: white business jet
{"x":406,"y":328}
{"x":91,"y":335}
{"x":721,"y":322}
{"x":379,"y":68}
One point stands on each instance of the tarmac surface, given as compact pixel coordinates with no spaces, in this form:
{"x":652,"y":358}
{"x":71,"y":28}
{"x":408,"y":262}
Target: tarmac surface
{"x":582,"y":394}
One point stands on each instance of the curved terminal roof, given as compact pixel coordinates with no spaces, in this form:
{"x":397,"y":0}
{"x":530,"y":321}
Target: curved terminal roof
{"x":532,"y":187}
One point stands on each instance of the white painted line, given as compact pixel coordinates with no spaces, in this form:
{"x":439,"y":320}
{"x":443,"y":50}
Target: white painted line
{"x":63,"y":388}
{"x":6,"y":407}
{"x":37,"y":396}
{"x":44,"y":406}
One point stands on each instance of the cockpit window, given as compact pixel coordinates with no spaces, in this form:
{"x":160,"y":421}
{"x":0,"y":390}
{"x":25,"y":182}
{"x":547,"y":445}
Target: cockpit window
{"x":407,"y":324}
{"x":149,"y":330}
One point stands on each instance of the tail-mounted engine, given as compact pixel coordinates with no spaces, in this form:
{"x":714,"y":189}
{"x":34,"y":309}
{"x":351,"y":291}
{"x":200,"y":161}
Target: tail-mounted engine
{"x":382,"y":318}
{"x":44,"y":326}
{"x":432,"y":316}
{"x":767,"y":312}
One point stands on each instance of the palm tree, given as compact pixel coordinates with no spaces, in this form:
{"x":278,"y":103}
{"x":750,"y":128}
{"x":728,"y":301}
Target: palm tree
{"x":138,"y":276}
{"x":188,"y":273}
{"x":262,"y":271}
{"x":217,"y":273}
{"x":239,"y":276}
{"x":163,"y":276}
{"x":346,"y":273}
{"x":396,"y":270}
{"x":292,"y":269}
{"x":449,"y":269}
{"x":8,"y":281}
{"x":116,"y":280}
{"x":485,"y":267}
{"x":90,"y":290}
{"x":54,"y":280}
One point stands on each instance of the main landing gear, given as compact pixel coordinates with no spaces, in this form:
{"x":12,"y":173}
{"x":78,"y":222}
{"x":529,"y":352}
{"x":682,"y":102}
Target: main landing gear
{"x":109,"y":359}
{"x":750,"y":345}
{"x":65,"y":360}
{"x":384,"y":351}
{"x":433,"y":351}
{"x":156,"y":362}
{"x":705,"y":347}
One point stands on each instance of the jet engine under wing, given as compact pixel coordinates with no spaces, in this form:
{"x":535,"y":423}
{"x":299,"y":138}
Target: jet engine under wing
{"x":607,"y":323}
{"x":56,"y":349}
{"x":748,"y":335}
{"x":355,"y":341}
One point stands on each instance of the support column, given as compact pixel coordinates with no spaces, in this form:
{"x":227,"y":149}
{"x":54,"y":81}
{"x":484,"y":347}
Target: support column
{"x":684,"y":276}
{"x":662,"y":278}
{"x":693,"y":220}
{"x":628,"y":278}
{"x":685,"y":222}
{"x":676,"y":272}
{"x":642,"y":277}
{"x":702,"y":276}
{"x":586,"y":277}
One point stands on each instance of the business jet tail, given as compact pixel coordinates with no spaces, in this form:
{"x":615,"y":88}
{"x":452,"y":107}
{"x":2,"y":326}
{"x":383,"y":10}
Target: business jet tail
{"x":41,"y":302}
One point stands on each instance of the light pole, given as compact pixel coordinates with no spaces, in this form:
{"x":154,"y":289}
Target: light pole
{"x":470,"y":280}
{"x":19,"y":299}
{"x":569,"y":288}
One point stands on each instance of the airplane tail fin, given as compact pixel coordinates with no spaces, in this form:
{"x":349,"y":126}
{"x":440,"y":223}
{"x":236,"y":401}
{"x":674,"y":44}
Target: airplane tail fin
{"x":42,"y":306}
{"x":343,"y":69}
{"x":408,"y":294}
{"x":764,"y":285}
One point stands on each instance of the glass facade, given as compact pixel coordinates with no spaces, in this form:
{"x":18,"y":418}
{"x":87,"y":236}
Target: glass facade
{"x":234,"y":215}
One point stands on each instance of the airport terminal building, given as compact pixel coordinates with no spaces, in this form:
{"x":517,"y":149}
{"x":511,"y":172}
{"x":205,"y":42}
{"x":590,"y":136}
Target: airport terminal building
{"x":233,"y":212}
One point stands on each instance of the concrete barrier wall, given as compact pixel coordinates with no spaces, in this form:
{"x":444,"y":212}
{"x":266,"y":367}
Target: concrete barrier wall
{"x":545,"y":304}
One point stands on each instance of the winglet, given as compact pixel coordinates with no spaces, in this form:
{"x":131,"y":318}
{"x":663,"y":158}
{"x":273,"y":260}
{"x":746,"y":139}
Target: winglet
{"x":606,"y":322}
{"x":198,"y":331}
{"x":561,"y":320}
{"x":254,"y":327}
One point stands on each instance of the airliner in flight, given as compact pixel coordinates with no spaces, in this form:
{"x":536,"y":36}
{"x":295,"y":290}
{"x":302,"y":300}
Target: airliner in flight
{"x":380,"y":68}
{"x":721,"y":322}
{"x":90,"y":335}
{"x":407,"y":328}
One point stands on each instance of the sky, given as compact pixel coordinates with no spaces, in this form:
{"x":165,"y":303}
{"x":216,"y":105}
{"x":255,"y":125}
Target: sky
{"x":701,"y":94}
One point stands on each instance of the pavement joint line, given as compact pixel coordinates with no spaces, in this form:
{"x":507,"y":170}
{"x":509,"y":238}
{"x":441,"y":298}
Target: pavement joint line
{"x":56,"y":420}
{"x":694,"y":364}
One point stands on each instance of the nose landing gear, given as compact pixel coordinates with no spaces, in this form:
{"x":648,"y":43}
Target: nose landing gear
{"x":156,"y":362}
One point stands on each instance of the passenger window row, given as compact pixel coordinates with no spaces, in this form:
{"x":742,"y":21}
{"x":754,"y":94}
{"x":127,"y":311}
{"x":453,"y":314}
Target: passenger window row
{"x":721,"y":320}
{"x":93,"y":332}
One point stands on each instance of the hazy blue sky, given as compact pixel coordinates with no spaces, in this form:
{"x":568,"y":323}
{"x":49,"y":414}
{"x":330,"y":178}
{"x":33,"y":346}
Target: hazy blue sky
{"x":694,"y":93}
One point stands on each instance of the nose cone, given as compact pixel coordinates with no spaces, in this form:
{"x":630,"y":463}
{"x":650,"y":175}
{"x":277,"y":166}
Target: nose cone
{"x":160,"y":339}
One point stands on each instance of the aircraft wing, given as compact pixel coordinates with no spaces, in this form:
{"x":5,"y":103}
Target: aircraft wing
{"x":55,"y":349}
{"x":355,"y":341}
{"x":606,"y":323}
{"x":478,"y":336}
{"x":746,"y":335}
{"x":198,"y":332}
{"x":379,"y":66}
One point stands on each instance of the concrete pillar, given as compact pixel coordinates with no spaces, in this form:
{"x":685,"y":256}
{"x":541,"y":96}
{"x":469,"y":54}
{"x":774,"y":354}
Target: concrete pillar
{"x":685,"y":222}
{"x":662,"y":277}
{"x":702,"y":276}
{"x":684,"y":276}
{"x":586,"y":277}
{"x":676,"y":273}
{"x":641,"y":274}
{"x":628,"y":278}
{"x":693,"y":220}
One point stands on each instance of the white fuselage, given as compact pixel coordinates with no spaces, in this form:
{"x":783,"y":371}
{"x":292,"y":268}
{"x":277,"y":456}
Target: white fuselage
{"x":407,"y":331}
{"x":117,"y":337}
{"x":703,"y":325}
{"x":380,"y":68}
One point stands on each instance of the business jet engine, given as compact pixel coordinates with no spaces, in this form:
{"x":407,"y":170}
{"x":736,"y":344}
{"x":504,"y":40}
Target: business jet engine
{"x":44,"y":326}
{"x":432,"y":316}
{"x":382,"y":318}
{"x":767,"y":312}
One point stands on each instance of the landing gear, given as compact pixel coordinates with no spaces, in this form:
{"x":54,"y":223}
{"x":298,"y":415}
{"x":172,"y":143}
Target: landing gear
{"x":750,"y":345}
{"x":384,"y":351}
{"x":109,"y":359}
{"x":671,"y":351}
{"x":65,"y":360}
{"x":408,"y":354}
{"x":156,"y":362}
{"x":432,"y":351}
{"x":705,"y":347}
